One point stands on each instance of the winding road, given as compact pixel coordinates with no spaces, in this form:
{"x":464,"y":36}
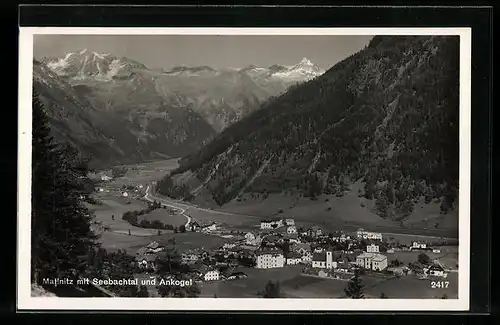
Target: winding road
{"x":149,"y":197}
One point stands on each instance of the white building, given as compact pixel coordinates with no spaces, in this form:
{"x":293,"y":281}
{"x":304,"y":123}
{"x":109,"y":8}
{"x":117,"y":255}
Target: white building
{"x":252,"y":239}
{"x":290,"y":222}
{"x":362,"y":234}
{"x":106,"y":178}
{"x":270,"y":258}
{"x":372,"y":261}
{"x":372,"y":248}
{"x":212,"y":275}
{"x":271,"y":224}
{"x":436,"y":251}
{"x":228,"y":245}
{"x":209,"y":228}
{"x":249,"y":236}
{"x":418,"y":245}
{"x":266,"y":224}
{"x":291,"y":230}
{"x":293,"y":259}
{"x":323,"y":260}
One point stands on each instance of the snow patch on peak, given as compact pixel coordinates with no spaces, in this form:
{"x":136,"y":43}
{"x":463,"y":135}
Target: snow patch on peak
{"x":306,"y":61}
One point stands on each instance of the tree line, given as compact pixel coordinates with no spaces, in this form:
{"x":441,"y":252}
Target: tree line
{"x":132,"y":218}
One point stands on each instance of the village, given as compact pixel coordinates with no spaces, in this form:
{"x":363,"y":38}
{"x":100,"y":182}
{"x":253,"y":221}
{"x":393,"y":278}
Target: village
{"x":280,"y":244}
{"x":219,"y":252}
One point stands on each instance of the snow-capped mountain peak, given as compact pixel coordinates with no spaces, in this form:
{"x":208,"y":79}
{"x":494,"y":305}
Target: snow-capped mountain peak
{"x":305,"y":61}
{"x":85,"y":64}
{"x":304,"y":70}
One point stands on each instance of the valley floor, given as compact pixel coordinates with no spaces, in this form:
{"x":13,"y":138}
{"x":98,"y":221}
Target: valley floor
{"x":241,"y":218}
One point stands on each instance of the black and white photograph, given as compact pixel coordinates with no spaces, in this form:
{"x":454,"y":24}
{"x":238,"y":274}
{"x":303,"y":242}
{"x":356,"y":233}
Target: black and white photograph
{"x":217,"y":168}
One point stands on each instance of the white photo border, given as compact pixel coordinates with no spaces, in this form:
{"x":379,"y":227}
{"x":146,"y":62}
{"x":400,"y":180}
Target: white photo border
{"x":26,"y":302}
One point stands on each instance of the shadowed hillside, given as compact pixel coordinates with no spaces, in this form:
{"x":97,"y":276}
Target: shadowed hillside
{"x":385,"y":117}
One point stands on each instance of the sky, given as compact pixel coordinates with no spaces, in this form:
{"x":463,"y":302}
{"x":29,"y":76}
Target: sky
{"x":218,"y":51}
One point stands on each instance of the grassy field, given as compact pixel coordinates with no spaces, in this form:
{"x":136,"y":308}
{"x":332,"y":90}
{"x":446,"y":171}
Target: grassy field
{"x":412,"y":288}
{"x":164,"y":216}
{"x":112,"y":241}
{"x":348,"y":213}
{"x":249,"y":287}
{"x":235,"y":221}
{"x":447,"y":257}
{"x":294,"y":285}
{"x":191,"y":240}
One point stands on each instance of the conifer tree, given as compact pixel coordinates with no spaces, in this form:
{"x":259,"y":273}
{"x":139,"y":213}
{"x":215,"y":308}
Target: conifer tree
{"x":61,"y":233}
{"x":355,"y":287}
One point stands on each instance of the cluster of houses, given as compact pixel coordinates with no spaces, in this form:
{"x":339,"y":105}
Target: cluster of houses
{"x":147,"y":259}
{"x":280,"y":244}
{"x":322,"y":257}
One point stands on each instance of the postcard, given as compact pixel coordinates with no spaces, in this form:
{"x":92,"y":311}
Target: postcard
{"x":244,"y":169}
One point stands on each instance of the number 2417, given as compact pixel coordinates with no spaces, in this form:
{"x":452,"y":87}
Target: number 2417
{"x":439,"y":284}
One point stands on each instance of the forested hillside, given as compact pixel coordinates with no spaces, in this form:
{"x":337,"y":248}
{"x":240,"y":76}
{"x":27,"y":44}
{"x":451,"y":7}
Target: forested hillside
{"x":386,"y":116}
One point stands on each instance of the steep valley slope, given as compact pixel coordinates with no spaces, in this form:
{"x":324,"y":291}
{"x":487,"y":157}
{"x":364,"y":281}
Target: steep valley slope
{"x":374,"y":140}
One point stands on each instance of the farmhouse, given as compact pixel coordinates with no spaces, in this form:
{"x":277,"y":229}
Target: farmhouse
{"x":249,"y":236}
{"x":291,"y":230}
{"x":154,"y":247}
{"x":209,"y":274}
{"x":318,"y":249}
{"x":314,"y":232}
{"x":236,"y":275}
{"x":435,"y":270}
{"x":266,"y":224}
{"x":106,"y":178}
{"x":323,"y":260}
{"x":293,"y":259}
{"x":189,"y":257}
{"x":147,"y":261}
{"x":372,"y":248}
{"x":270,"y":258}
{"x":418,"y":245}
{"x":304,"y":250}
{"x":373,"y":261}
{"x":344,"y":267}
{"x":209,"y":228}
{"x":271,"y":224}
{"x":362,"y":234}
{"x":252,"y":239}
{"x":228,"y":245}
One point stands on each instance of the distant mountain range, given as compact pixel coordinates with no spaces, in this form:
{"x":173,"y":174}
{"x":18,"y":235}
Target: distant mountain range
{"x":119,"y":110}
{"x":383,"y":123}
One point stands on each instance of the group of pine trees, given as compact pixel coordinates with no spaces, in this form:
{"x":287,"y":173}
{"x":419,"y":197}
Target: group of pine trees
{"x":60,"y":234}
{"x":63,"y":244}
